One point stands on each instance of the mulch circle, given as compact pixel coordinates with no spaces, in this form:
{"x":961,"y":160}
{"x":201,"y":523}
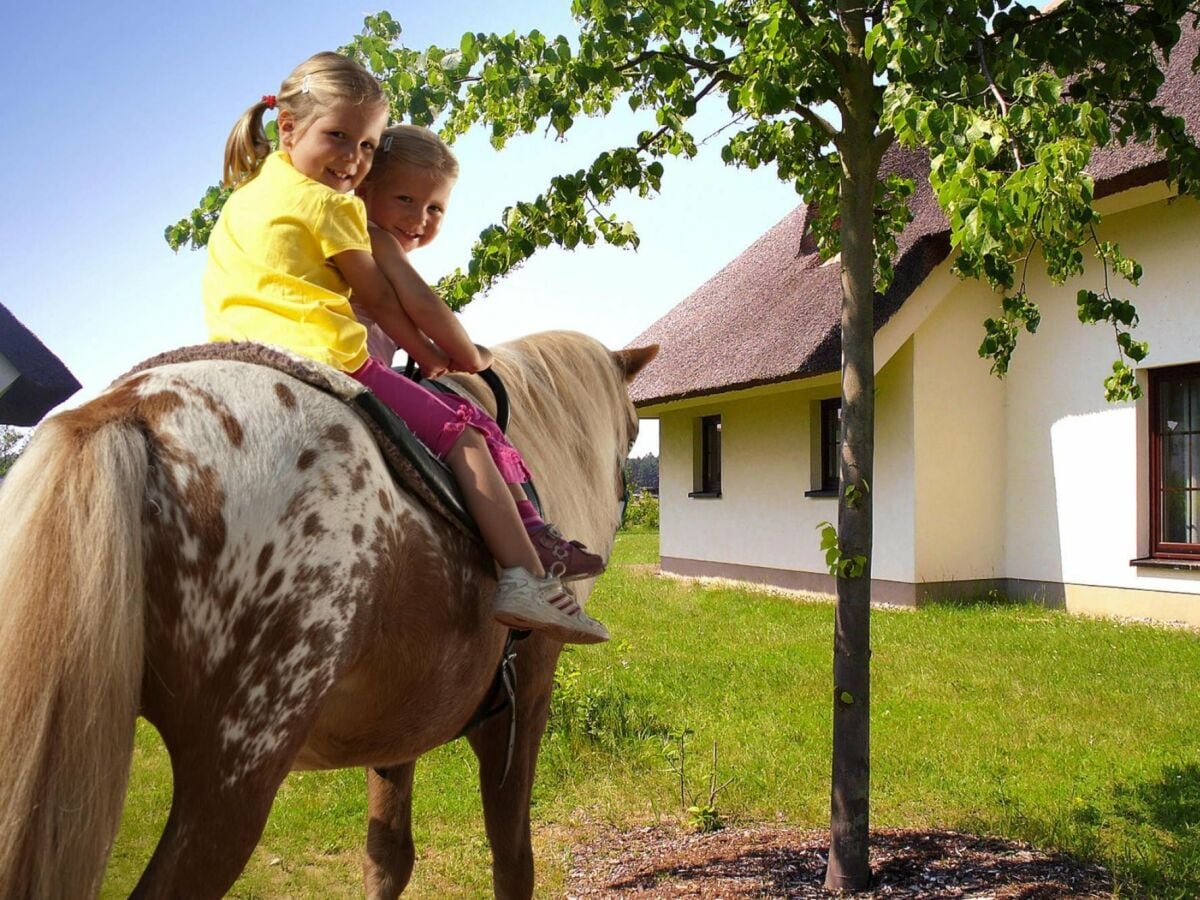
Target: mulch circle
{"x":765,"y":861}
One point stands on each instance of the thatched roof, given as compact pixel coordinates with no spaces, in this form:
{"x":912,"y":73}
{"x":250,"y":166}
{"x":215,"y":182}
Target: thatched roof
{"x":773,"y":314}
{"x":42,"y":381}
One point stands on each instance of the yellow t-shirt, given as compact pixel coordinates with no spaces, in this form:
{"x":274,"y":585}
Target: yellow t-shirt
{"x":269,"y":278}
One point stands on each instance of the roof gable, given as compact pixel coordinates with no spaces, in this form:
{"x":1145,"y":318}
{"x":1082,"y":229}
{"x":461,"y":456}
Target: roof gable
{"x":42,"y":381}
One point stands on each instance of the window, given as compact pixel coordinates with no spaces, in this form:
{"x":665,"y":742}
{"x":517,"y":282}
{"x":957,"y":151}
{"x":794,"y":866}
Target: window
{"x":1175,"y":462}
{"x":831,"y":440}
{"x":829,"y":428}
{"x":706,"y":471}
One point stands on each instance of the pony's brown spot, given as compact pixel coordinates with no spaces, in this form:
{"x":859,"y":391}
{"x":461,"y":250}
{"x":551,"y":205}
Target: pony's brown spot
{"x":264,"y":559}
{"x":233,"y":428}
{"x":312,"y":525}
{"x":306,"y":459}
{"x":229,"y":422}
{"x":273,"y":583}
{"x":357,"y":533}
{"x":339,"y":436}
{"x":385,"y":501}
{"x":286,"y":397}
{"x":358,"y":478}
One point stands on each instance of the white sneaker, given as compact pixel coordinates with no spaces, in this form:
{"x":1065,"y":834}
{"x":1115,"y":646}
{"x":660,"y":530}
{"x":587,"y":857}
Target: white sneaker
{"x":523,"y":600}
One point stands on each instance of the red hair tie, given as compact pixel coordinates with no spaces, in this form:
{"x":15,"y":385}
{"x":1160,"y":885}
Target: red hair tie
{"x":269,"y":99}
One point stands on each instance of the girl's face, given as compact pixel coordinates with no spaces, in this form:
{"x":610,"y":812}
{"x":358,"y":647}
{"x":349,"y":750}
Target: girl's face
{"x":335,"y":148}
{"x":409,"y":204}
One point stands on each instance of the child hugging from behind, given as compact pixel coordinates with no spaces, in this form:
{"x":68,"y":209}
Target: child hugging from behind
{"x":291,"y":245}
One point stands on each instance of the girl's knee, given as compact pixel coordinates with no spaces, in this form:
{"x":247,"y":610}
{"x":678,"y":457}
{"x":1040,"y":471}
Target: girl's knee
{"x":467,"y":439}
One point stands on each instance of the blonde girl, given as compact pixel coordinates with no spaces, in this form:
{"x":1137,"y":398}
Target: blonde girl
{"x":291,"y":245}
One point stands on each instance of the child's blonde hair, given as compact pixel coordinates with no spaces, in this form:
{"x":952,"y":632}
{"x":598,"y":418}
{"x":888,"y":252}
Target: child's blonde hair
{"x":314,"y":87}
{"x":414,"y":146}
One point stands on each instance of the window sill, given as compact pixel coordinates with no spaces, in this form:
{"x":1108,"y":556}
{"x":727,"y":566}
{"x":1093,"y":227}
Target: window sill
{"x":832,"y":492}
{"x":1151,"y":562}
{"x":704,"y":495}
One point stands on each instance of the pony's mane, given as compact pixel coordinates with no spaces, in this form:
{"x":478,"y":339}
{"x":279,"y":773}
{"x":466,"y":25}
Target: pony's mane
{"x":570,"y":414}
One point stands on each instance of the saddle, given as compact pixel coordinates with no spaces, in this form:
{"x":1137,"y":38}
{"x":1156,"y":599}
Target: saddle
{"x":412,"y":464}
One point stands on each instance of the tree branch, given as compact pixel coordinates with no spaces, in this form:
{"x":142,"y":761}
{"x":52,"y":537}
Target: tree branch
{"x":805,"y":18}
{"x":696,"y":98}
{"x":815,"y":119}
{"x":882,"y":141}
{"x":987,"y":73}
{"x":694,"y":62}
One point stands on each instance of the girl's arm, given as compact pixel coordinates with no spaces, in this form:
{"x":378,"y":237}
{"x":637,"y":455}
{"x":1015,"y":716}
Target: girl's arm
{"x":426,"y":309}
{"x":374,"y":293}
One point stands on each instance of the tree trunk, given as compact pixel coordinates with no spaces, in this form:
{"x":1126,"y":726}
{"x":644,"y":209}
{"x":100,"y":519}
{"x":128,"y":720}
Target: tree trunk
{"x":849,"y":867}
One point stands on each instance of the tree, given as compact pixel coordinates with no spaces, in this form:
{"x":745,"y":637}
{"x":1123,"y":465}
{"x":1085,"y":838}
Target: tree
{"x":1008,"y":103}
{"x":12,"y":442}
{"x":642,"y":473}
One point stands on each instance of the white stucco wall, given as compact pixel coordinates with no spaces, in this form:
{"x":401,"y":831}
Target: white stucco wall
{"x":762,"y":517}
{"x":959,"y":424}
{"x":1077,"y":468}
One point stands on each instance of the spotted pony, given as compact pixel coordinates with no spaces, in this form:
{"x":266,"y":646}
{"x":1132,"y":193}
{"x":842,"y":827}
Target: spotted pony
{"x":222,"y":550}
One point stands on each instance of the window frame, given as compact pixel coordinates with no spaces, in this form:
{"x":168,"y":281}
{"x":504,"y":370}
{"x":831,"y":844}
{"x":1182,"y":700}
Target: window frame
{"x":706,"y":480}
{"x":828,"y":426}
{"x":1160,"y":549}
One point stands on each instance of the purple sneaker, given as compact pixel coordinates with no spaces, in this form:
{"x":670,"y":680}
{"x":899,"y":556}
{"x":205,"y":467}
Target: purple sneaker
{"x":563,"y":559}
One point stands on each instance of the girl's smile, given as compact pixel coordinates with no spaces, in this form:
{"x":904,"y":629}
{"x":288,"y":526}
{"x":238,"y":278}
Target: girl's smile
{"x":409,"y":203}
{"x":335,"y":149}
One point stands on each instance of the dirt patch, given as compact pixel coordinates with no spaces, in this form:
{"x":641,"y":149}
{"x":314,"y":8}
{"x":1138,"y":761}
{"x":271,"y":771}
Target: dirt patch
{"x":769,"y":862}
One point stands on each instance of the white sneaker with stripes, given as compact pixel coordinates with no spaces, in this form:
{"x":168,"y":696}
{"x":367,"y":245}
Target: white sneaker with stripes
{"x":523,"y":600}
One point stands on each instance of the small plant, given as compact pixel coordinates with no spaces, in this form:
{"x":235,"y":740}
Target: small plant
{"x":589,"y":706}
{"x":839,"y":565}
{"x":642,"y":512}
{"x":702,"y":814}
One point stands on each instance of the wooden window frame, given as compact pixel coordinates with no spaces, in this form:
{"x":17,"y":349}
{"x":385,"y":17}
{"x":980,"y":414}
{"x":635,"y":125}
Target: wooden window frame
{"x":1160,"y":549}
{"x":829,"y":427}
{"x":707,"y":482}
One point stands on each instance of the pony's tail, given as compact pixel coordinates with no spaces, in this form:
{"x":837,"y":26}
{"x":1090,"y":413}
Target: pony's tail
{"x":71,"y":644}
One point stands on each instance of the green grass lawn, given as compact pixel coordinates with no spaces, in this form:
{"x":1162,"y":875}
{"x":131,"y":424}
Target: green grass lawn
{"x":1074,"y":734}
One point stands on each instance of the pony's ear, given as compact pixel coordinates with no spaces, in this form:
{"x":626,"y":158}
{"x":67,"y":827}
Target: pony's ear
{"x":634,"y":360}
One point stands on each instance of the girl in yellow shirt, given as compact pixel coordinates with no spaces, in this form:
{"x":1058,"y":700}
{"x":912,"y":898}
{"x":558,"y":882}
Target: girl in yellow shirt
{"x":292,"y":244}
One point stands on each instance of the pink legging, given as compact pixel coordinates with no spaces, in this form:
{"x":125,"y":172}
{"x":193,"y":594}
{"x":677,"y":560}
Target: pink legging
{"x":439,"y":419}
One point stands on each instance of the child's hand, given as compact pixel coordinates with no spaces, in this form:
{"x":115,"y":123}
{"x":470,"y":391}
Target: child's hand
{"x":485,"y":357}
{"x":432,"y":361}
{"x":482,"y":360}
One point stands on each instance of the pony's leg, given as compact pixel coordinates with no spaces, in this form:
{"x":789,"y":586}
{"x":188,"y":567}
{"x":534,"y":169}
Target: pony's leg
{"x":388,"y":862}
{"x":213,"y":828}
{"x":506,"y":805}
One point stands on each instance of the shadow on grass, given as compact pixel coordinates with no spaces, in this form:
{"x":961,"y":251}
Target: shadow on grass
{"x":1153,"y":831}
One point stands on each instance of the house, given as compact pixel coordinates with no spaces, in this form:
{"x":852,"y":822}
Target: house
{"x":1033,"y":486}
{"x":32,"y":379}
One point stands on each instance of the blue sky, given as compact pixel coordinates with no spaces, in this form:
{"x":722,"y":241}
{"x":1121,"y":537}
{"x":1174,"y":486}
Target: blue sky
{"x":115,"y":118}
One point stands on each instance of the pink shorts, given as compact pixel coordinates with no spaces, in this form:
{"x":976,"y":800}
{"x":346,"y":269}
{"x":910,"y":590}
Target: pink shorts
{"x":439,"y":419}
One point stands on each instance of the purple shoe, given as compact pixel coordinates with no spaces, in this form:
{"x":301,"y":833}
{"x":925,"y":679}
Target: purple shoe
{"x":563,"y":559}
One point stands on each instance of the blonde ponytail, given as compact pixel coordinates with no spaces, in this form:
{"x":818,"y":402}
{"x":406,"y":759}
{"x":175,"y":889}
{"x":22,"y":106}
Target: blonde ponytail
{"x":247,"y":146}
